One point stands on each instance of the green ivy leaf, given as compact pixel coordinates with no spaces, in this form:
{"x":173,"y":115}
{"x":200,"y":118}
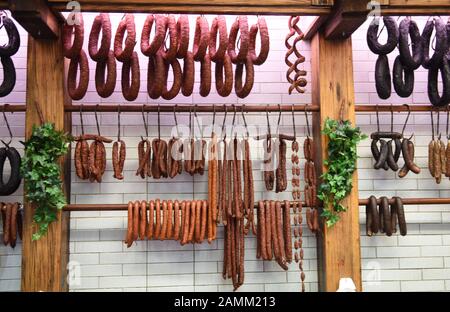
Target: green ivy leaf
{"x":43,"y":185}
{"x":341,"y":164}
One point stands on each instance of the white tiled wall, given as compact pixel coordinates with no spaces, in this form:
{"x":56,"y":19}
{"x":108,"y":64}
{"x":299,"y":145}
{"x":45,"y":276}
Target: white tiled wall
{"x":419,"y":261}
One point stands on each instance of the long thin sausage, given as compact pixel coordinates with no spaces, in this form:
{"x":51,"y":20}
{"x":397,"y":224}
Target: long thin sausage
{"x":274,"y":223}
{"x":187,"y":214}
{"x":151,"y":219}
{"x":143,"y":220}
{"x":157,"y":228}
{"x":136,"y":220}
{"x":192,"y":223}
{"x":287,"y":231}
{"x":170,"y":221}
{"x":262,"y":229}
{"x":176,"y":213}
{"x":204,"y":215}
{"x":268,"y":227}
{"x":197,"y":229}
{"x":165,"y":216}
{"x":129,"y":237}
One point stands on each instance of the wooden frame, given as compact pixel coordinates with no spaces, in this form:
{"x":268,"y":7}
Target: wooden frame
{"x":44,"y":262}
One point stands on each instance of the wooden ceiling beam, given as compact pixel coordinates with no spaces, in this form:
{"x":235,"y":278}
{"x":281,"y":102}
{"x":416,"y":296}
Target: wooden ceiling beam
{"x":36,"y":18}
{"x":345,"y":18}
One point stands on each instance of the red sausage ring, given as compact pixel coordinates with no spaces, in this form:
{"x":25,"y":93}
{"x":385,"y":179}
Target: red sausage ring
{"x":176,"y":85}
{"x":240,"y":25}
{"x":170,"y":53}
{"x":219,"y":25}
{"x":265,"y":43}
{"x":127,"y":24}
{"x":147,"y":48}
{"x":205,"y":76}
{"x":103,"y":23}
{"x":201,"y":39}
{"x":155,"y":76}
{"x":73,"y":49}
{"x":224,"y":86}
{"x":188,"y":79}
{"x":243,"y":90}
{"x":77,"y":92}
{"x":130,"y":90}
{"x":183,"y":36}
{"x":105,"y":89}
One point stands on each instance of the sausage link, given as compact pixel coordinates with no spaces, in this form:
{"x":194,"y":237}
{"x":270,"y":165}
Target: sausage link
{"x":176,"y":213}
{"x":192,"y":223}
{"x":287,"y":231}
{"x":204,"y":216}
{"x":136,"y":208}
{"x":197,"y":229}
{"x":151,"y":219}
{"x":262,"y":229}
{"x":157,"y":227}
{"x":143,"y":220}
{"x":170,"y":221}
{"x":431,"y":167}
{"x":129,"y":237}
{"x":268,"y":226}
{"x":165,"y":216}
{"x":187,"y":213}
{"x":274,"y":231}
{"x":13,"y":222}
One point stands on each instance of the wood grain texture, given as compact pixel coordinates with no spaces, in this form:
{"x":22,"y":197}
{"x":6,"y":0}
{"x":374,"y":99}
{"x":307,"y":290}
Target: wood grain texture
{"x":44,"y":262}
{"x":284,"y":7}
{"x":345,"y":18}
{"x":35,"y":17}
{"x":332,"y":88}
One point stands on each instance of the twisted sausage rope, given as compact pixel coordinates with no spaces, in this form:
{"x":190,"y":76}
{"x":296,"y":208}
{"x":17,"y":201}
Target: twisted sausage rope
{"x":297,"y":82}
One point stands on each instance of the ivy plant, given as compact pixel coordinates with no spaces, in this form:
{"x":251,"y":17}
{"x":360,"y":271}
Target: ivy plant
{"x":42,"y":175}
{"x":341,"y":163}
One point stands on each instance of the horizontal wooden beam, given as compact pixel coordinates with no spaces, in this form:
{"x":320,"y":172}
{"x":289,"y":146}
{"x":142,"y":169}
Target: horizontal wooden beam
{"x":36,"y":18}
{"x":268,"y":7}
{"x":345,"y":18}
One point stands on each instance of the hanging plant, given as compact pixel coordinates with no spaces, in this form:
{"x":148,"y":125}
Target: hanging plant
{"x":42,"y":174}
{"x":341,"y":163}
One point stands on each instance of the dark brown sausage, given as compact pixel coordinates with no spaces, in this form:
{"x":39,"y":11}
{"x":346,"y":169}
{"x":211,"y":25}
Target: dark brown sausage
{"x":129,"y":237}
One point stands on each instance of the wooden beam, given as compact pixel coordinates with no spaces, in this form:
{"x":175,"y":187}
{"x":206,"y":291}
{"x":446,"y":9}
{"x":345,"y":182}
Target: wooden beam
{"x":269,"y":7}
{"x":346,"y":17}
{"x":314,"y":27}
{"x":332,"y":89}
{"x":44,"y":262}
{"x":36,"y":18}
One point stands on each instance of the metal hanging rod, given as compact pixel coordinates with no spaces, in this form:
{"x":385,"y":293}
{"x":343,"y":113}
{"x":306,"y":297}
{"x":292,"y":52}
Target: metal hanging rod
{"x":362,"y":202}
{"x":186,"y":108}
{"x":221,"y":108}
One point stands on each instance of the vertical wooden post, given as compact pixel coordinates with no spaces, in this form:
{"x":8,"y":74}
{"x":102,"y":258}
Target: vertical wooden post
{"x":332,"y":88}
{"x":44,"y":262}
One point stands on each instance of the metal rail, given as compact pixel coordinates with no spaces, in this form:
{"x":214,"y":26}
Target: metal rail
{"x":362,"y":202}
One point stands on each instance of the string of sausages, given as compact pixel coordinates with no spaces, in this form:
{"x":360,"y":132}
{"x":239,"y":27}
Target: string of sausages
{"x":90,"y":159}
{"x":12,"y":223}
{"x":294,"y":75}
{"x":438,"y":154}
{"x":297,"y":210}
{"x":184,"y":221}
{"x":73,"y":37}
{"x":312,"y":213}
{"x":274,"y":232}
{"x":384,"y":218}
{"x":169,"y":43}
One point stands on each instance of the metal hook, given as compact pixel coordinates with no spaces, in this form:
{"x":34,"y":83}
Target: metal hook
{"x":7,"y":125}
{"x":279,"y":119}
{"x":159,"y":123}
{"x":245,"y":121}
{"x":307,"y":122}
{"x":175,"y":117}
{"x":378,"y":118}
{"x":145,"y":123}
{"x":118,"y":122}
{"x":392,"y":118}
{"x":448,"y":113}
{"x":190,"y":123}
{"x":293,"y":123}
{"x":438,"y":124}
{"x":267,"y":118}
{"x":196,"y":120}
{"x":232,"y":123}
{"x":407,"y":118}
{"x":214,"y":116}
{"x":223,"y":124}
{"x":432,"y":124}
{"x":96,"y":119}
{"x":81,"y":119}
